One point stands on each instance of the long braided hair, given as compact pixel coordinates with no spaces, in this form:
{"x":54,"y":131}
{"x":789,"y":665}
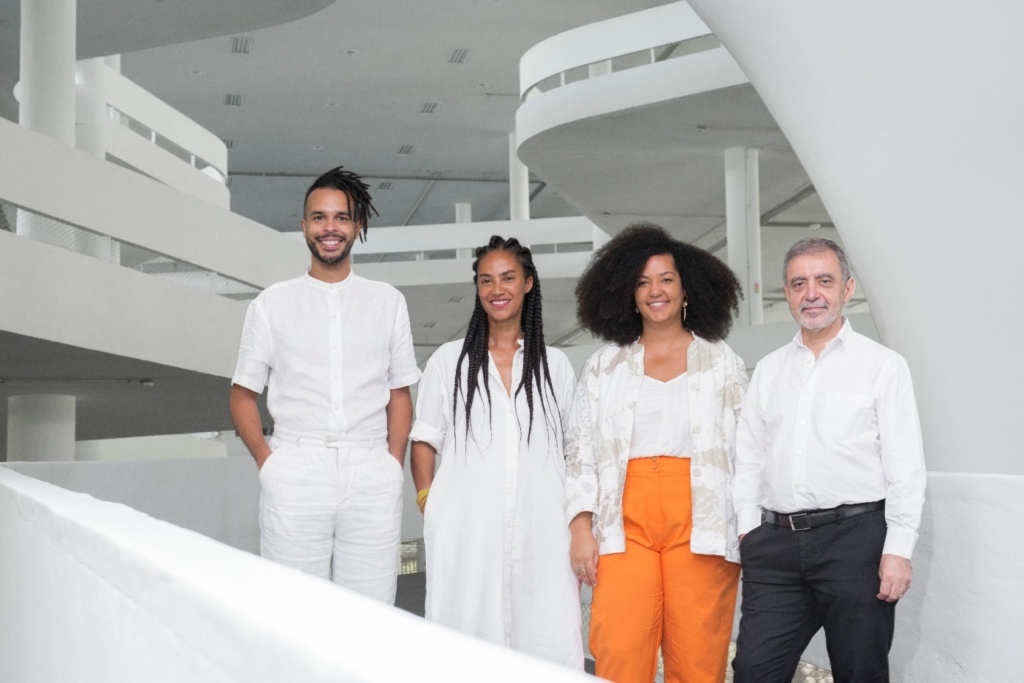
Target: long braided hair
{"x":475,"y":346}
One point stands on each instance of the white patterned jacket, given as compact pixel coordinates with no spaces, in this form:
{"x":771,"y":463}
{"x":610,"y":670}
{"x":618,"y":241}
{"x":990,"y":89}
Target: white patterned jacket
{"x":601,"y":426}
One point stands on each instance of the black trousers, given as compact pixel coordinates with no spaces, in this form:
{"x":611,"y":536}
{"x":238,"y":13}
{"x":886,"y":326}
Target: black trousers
{"x":795,"y":582}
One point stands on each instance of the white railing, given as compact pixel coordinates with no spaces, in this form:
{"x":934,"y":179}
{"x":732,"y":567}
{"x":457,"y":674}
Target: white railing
{"x":148,"y":135}
{"x":613,"y":45}
{"x":97,"y":592}
{"x":146,"y":224}
{"x":164,"y":125}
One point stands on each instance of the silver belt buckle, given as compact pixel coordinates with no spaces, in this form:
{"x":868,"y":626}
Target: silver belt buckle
{"x":792,"y":522}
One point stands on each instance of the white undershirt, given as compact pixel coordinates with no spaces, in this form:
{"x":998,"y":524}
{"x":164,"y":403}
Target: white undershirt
{"x":661,"y":419}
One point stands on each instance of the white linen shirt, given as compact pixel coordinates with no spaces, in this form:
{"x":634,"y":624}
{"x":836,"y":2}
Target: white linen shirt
{"x":333,"y":352}
{"x":816,"y":434}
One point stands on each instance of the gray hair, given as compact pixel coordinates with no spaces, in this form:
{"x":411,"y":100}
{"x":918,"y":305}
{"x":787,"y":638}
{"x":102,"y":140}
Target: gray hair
{"x":816,"y":245}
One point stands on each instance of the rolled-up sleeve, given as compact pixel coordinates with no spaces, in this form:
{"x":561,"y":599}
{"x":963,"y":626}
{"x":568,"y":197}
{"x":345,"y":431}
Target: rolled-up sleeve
{"x":255,"y":352}
{"x":899,"y":430}
{"x":581,"y":464}
{"x":746,"y":484}
{"x":432,"y":407}
{"x":402,"y":370}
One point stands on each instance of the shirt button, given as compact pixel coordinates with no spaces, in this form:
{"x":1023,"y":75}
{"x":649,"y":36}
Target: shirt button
{"x":696,"y":429}
{"x":799,"y":452}
{"x":694,"y":387}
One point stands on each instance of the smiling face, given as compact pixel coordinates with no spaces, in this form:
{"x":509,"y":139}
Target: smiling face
{"x":659,"y":291}
{"x":328,"y":226}
{"x":815,"y":289}
{"x":502,"y":285}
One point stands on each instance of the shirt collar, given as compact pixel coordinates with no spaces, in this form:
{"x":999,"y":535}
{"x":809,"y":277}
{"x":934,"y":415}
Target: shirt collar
{"x":329,"y":286}
{"x":842,"y":338}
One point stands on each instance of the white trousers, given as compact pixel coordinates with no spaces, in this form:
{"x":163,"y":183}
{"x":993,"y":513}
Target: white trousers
{"x":334,"y":511}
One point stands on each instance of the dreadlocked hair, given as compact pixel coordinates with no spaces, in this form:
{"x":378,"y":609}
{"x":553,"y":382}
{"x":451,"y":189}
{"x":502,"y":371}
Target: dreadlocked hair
{"x":475,"y":346}
{"x":360,"y":204}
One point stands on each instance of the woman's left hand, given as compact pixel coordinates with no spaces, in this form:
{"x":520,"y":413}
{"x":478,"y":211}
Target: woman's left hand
{"x":583,"y":549}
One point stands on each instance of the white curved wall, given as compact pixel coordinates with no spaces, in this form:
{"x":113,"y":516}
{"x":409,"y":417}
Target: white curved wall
{"x":907,"y":117}
{"x":97,"y":592}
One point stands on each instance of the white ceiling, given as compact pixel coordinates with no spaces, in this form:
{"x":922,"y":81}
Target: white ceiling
{"x":309,"y":105}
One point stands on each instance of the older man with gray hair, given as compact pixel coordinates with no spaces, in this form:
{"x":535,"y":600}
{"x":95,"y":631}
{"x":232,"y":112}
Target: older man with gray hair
{"x":829,"y":486}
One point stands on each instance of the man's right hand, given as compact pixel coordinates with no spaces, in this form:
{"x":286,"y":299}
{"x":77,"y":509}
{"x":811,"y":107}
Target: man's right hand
{"x":261,"y":460}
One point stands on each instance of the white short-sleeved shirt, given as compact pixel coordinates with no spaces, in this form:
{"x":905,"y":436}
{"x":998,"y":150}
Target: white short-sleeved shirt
{"x":332,"y":353}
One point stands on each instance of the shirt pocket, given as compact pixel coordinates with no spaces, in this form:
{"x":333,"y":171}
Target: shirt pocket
{"x":845,"y":415}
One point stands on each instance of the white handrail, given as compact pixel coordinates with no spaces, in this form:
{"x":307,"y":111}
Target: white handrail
{"x":143,"y":106}
{"x":607,"y":40}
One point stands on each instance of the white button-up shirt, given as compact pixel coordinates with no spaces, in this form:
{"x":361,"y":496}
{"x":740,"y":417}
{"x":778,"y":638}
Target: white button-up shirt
{"x":333,"y":353}
{"x":815,"y":434}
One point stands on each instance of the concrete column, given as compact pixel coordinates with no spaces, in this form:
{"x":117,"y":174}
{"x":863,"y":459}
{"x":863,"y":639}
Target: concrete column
{"x":463,"y":212}
{"x":518,"y":184}
{"x":47,"y":87}
{"x":41,"y":427}
{"x":90,"y":107}
{"x":743,"y":229}
{"x":114,"y":62}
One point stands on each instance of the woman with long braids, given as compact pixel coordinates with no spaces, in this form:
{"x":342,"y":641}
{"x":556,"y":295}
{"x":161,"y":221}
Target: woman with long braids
{"x":492,"y":406}
{"x":649,"y":453}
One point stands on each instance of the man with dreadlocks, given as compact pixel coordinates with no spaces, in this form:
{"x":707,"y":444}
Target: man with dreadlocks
{"x":497,"y":546}
{"x":339,"y":355}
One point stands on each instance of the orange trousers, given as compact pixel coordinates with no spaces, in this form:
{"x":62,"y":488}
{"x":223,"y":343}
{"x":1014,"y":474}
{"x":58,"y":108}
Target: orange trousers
{"x":658,"y":592}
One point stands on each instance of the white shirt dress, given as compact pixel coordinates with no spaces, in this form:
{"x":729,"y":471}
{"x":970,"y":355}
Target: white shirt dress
{"x":496,"y":540}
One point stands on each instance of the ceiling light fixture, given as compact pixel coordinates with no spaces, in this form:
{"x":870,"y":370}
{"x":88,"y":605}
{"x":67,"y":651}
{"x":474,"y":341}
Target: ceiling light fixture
{"x":429,"y":107}
{"x":814,"y":226}
{"x":233,"y":100}
{"x":334,"y":104}
{"x":318,"y":147}
{"x":458,"y":56}
{"x":197,"y":72}
{"x":385,"y":185}
{"x":351,"y":52}
{"x":228,"y":142}
{"x":406,"y":150}
{"x":481,"y":85}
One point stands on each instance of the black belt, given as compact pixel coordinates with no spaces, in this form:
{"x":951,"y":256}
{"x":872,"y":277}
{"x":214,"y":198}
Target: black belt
{"x":802,"y":521}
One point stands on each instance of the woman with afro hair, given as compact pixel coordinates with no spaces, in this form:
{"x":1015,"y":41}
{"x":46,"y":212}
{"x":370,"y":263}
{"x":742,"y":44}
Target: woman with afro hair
{"x":649,"y":458}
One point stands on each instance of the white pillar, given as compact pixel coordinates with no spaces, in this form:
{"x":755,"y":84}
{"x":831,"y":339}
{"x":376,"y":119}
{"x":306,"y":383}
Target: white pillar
{"x":47,"y":87}
{"x":743,"y":229}
{"x":114,"y":62}
{"x":518,"y":184}
{"x":90,"y":107}
{"x":463,"y":212}
{"x":41,"y":427}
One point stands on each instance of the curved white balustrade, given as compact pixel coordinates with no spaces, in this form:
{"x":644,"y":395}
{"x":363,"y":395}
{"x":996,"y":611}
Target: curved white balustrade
{"x":648,"y":30}
{"x":97,"y":592}
{"x":142,"y":106}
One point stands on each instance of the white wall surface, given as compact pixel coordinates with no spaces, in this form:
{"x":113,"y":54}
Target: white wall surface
{"x":164,"y":447}
{"x":961,"y":620}
{"x":97,"y":592}
{"x":906,"y":117}
{"x":216,"y":497}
